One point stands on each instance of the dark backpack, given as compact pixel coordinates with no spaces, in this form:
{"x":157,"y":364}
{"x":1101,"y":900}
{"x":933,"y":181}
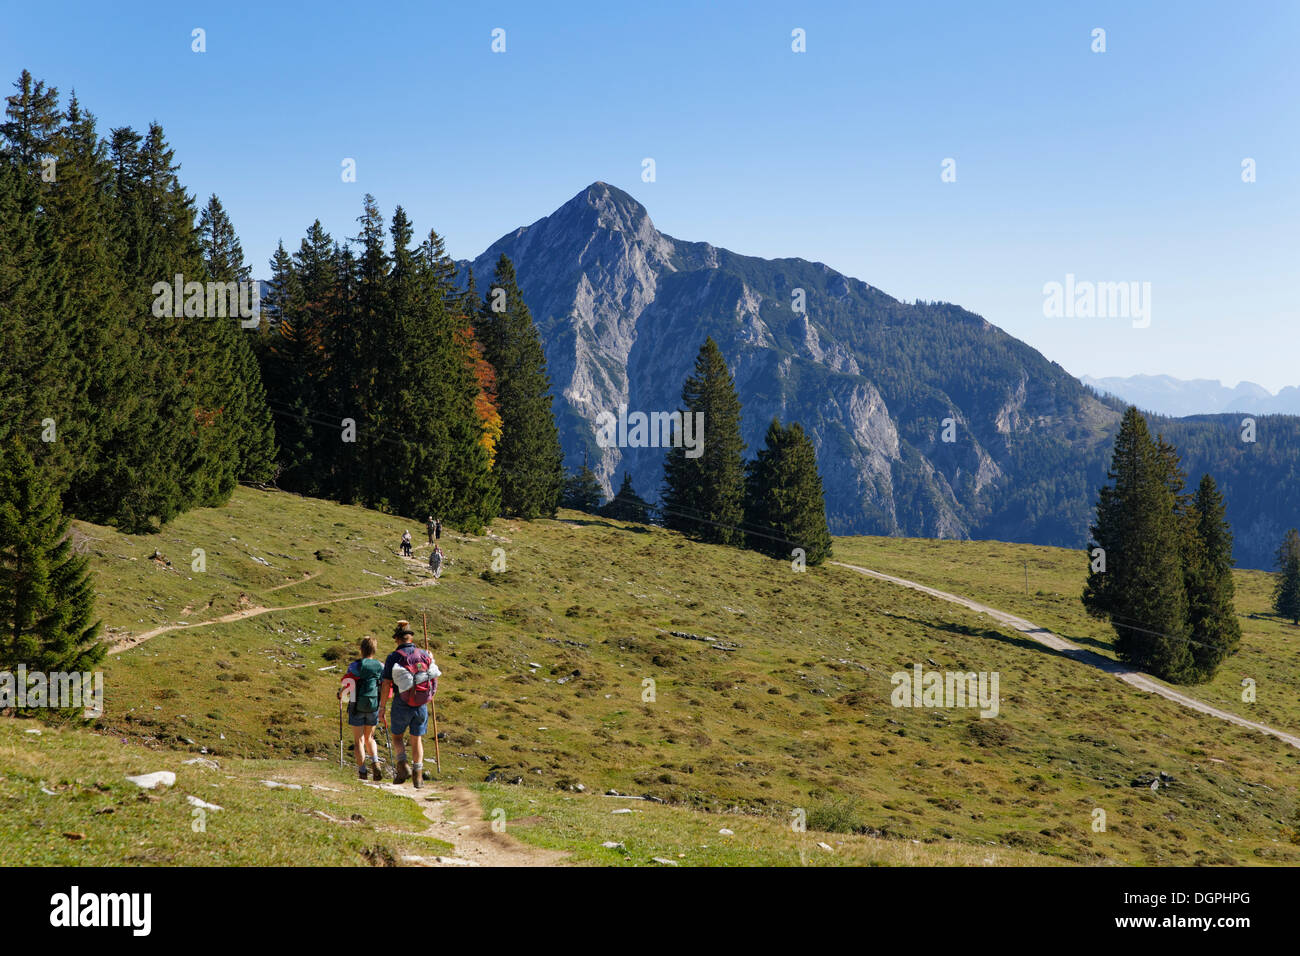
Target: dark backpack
{"x":418,"y":662}
{"x":366,"y":695}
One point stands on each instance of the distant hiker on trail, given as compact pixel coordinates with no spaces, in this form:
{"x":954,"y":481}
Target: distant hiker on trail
{"x":410,"y":677}
{"x":435,"y":561}
{"x":406,"y":543}
{"x":360,"y":687}
{"x":431,"y":528}
{"x":437,"y":529}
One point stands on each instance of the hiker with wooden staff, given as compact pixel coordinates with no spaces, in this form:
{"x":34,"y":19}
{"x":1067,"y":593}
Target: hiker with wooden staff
{"x":410,"y":678}
{"x":433,"y":701}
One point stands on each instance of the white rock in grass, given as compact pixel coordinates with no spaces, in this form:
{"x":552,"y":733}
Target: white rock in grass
{"x":33,"y":730}
{"x":725,"y":832}
{"x":274,"y":784}
{"x":611,"y":845}
{"x":623,"y":810}
{"x":196,"y":802}
{"x":203,"y":762}
{"x":663,"y":862}
{"x":150,"y":780}
{"x":826,"y":847}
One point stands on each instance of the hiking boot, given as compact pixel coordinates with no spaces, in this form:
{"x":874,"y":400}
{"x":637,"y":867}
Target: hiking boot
{"x":402,"y":774}
{"x":376,"y":771}
{"x":361,"y":773}
{"x":418,"y":779}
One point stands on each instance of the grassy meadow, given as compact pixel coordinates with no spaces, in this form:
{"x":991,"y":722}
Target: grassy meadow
{"x":585,"y":666}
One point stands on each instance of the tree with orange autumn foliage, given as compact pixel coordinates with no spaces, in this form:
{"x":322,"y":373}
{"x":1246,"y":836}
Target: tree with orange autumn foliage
{"x":485,"y":404}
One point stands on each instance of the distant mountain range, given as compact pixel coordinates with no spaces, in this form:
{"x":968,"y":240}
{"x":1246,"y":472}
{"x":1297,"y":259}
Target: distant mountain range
{"x":1201,"y":396}
{"x":879,"y":384}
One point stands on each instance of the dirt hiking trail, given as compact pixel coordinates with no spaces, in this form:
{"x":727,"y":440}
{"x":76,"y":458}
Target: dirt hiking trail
{"x":1057,"y":643}
{"x":135,"y":640}
{"x":455,"y":816}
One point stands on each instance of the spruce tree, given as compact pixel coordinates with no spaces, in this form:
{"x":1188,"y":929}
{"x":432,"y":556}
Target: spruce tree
{"x":282,"y":362}
{"x":705,"y":496}
{"x":785,"y":507}
{"x":46,"y":591}
{"x":627,"y":505}
{"x":245,"y":412}
{"x":465,"y":395}
{"x":582,"y":492}
{"x":434,"y":457}
{"x":160,"y":462}
{"x":1286,"y":588}
{"x":1212,"y":617}
{"x":31,"y":122}
{"x":38,"y":384}
{"x":101,"y":377}
{"x":1141,"y":591}
{"x":529,"y":464}
{"x":33,"y":343}
{"x":359,"y":361}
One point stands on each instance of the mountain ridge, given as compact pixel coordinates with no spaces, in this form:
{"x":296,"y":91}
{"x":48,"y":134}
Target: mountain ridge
{"x":880,"y":385}
{"x":1179,"y":397}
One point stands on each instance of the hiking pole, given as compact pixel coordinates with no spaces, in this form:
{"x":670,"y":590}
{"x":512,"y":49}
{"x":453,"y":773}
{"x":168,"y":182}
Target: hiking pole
{"x":437,"y":757}
{"x":388,"y":741}
{"x":340,"y":731}
{"x":433,"y":702}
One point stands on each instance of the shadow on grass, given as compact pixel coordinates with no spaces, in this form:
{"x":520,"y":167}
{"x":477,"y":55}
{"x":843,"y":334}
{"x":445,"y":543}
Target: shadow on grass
{"x":988,"y":633}
{"x":1088,"y":641}
{"x":604,"y":523}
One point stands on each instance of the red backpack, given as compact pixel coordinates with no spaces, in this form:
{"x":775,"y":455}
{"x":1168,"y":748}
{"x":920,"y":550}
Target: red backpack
{"x":419,"y":664}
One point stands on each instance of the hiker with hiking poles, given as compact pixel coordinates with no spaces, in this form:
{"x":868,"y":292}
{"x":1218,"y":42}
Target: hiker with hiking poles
{"x":410,"y":678}
{"x":360,"y":687}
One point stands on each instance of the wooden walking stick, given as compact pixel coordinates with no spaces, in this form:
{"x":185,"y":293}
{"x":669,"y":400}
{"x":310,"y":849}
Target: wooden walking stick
{"x":433,"y":701}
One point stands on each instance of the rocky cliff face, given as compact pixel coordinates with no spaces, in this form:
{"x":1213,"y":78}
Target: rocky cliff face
{"x":623,"y":309}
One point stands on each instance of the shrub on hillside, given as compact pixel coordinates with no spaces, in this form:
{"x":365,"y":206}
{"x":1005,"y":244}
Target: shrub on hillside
{"x":836,"y":816}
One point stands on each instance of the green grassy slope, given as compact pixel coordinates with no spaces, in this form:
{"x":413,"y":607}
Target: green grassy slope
{"x":66,"y":801}
{"x":995,"y":573}
{"x":546,"y":667}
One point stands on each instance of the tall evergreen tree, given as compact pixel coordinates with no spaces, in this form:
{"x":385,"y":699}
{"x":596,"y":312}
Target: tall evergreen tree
{"x":31,"y":122}
{"x":361,"y":333}
{"x":101,"y":377}
{"x":627,"y":505}
{"x":434,"y":458}
{"x":1141,"y":591}
{"x":33,"y":343}
{"x":286,"y":364}
{"x":245,"y":412}
{"x":35,"y":334}
{"x":164,"y":459}
{"x":1286,"y":588}
{"x":785,"y":507}
{"x":582,"y":492}
{"x":705,"y":496}
{"x":529,"y":464}
{"x":463,"y":385}
{"x":1212,"y":617}
{"x":46,"y":592}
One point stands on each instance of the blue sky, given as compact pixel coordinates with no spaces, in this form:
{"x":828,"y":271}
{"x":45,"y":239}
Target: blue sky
{"x":1115,"y":166}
